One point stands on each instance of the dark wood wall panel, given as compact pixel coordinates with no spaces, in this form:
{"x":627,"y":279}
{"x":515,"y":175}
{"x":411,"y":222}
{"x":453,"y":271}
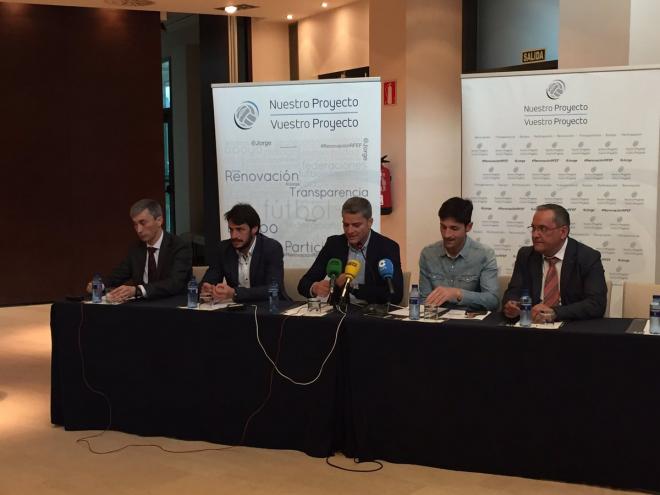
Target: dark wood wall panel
{"x":80,"y":141}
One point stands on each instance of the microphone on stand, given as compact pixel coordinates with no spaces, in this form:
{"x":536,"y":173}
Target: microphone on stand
{"x":351,"y":271}
{"x":333,"y":270}
{"x":386,"y":271}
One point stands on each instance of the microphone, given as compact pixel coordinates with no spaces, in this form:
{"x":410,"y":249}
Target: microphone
{"x":351,"y":271}
{"x":333,"y":270}
{"x":386,"y":271}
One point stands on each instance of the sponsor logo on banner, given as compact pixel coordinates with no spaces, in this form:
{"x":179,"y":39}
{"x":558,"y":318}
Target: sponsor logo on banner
{"x":246,"y":115}
{"x":555,"y":89}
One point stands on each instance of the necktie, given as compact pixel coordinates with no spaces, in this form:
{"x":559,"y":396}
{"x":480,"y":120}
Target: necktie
{"x":151,"y":265}
{"x":551,"y":285}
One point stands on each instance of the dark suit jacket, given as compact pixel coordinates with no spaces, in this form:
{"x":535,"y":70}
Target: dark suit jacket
{"x":582,"y":281}
{"x":375,"y":289}
{"x":266,"y":265}
{"x":172,"y":273}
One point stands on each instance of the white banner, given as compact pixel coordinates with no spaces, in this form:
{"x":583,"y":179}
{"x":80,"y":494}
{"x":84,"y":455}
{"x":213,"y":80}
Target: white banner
{"x":296,"y":151}
{"x":585,"y":140}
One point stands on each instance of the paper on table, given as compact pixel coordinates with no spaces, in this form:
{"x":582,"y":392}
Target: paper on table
{"x":303,"y":311}
{"x":541,"y":326}
{"x":452,"y":314}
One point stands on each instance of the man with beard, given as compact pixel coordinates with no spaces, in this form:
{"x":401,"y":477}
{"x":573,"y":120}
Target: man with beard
{"x":248,"y":261}
{"x":458,"y":271}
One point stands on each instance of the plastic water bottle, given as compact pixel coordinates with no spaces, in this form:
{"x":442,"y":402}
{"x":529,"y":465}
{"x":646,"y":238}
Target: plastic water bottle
{"x":413,"y":303}
{"x":274,"y":297}
{"x":654,"y":315}
{"x":525,"y":310}
{"x":193,"y":293}
{"x":97,"y":288}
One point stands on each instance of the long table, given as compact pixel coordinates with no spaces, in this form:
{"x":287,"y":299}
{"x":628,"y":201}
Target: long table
{"x":579,"y":404}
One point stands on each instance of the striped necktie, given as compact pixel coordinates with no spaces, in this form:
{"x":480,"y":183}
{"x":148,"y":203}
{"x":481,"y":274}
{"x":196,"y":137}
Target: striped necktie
{"x":551,"y":285}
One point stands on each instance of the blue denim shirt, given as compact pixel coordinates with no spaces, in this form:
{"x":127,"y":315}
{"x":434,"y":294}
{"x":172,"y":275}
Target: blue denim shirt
{"x":474,"y":271}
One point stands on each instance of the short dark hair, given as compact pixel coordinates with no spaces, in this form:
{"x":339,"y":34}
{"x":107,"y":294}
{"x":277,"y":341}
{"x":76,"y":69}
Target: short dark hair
{"x":357,"y":205}
{"x":457,"y":208}
{"x":561,"y":215}
{"x":146,"y":204}
{"x":243,"y":213}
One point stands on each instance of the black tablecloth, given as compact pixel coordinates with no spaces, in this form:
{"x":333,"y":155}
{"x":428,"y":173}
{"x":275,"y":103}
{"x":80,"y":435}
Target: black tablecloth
{"x":193,"y":374}
{"x":579,"y":404}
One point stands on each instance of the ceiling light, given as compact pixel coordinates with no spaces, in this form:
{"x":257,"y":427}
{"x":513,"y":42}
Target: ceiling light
{"x":230,"y":9}
{"x":289,"y":16}
{"x":324,"y":5}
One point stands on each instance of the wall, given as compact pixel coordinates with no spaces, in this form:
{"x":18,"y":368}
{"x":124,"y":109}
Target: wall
{"x":593,"y":33}
{"x":508,"y":27}
{"x":644,"y":33}
{"x":270,"y":51}
{"x":433,"y":118}
{"x":81,"y":140}
{"x":333,"y":41}
{"x":387,"y":59}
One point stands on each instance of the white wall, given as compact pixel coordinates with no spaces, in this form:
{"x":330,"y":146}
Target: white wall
{"x":334,"y":41}
{"x":644,"y":32}
{"x":387,"y":59}
{"x":593,"y":33}
{"x":270,"y":50}
{"x":433,"y":117}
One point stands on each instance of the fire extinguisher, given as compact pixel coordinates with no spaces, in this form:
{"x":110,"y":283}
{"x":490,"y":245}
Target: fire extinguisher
{"x":385,"y":187}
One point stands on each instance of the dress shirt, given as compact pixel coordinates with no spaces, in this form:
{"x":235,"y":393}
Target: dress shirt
{"x":145,"y":278}
{"x":244,"y":261}
{"x":473,"y":270}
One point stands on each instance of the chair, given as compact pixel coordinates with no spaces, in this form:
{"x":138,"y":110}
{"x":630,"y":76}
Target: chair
{"x":609,"y":298}
{"x":637,"y":298}
{"x":199,"y":271}
{"x":406,"y":289}
{"x":291,"y":278}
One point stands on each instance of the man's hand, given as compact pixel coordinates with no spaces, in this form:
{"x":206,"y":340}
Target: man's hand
{"x":511,"y":309}
{"x":321,"y":288}
{"x":340,"y":281}
{"x":541,"y":313}
{"x":206,"y":290}
{"x":223,"y":292}
{"x":122,"y":293}
{"x":441,"y":295}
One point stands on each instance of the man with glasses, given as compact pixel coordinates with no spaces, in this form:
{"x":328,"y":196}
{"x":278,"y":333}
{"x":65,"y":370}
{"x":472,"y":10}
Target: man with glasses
{"x":564,"y":277}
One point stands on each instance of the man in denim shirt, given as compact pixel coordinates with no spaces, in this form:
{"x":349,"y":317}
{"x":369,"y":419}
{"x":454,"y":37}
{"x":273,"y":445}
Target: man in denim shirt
{"x":458,"y":271}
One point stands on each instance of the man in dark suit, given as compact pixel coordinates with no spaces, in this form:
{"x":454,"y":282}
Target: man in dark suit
{"x":564,"y":277}
{"x":361,"y":243}
{"x":158,"y":265}
{"x":248,"y":261}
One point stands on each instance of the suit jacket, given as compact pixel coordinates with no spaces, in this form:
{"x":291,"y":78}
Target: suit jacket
{"x":375,"y":289}
{"x":582,"y":284}
{"x":266,"y":265}
{"x":173,"y":271}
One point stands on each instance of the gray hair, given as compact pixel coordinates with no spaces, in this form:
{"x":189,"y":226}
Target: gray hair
{"x":561,"y":215}
{"x":357,"y":205}
{"x":147,"y":204}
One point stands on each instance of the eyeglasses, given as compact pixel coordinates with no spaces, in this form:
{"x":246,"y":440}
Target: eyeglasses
{"x":542,"y":229}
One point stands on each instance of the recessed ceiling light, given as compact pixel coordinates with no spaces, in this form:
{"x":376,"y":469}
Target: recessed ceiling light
{"x":324,"y":5}
{"x":230,"y":9}
{"x":289,"y":16}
